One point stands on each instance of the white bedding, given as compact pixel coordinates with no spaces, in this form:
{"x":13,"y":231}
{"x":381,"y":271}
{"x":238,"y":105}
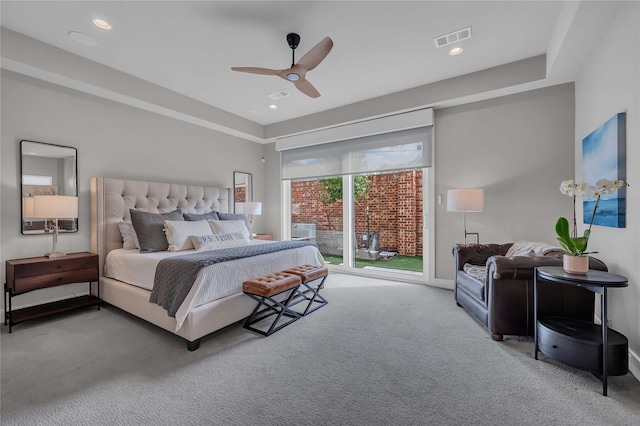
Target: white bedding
{"x":212,"y":282}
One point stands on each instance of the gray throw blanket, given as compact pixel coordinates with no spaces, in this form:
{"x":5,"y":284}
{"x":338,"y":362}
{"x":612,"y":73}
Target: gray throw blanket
{"x":175,"y":276}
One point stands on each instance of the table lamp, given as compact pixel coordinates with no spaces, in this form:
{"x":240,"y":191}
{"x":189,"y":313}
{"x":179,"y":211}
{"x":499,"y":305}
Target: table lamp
{"x":55,"y":207}
{"x":250,"y":208}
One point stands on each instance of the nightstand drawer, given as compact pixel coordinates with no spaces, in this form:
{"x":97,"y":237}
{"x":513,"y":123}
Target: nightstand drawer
{"x":22,"y":285}
{"x":32,"y":267}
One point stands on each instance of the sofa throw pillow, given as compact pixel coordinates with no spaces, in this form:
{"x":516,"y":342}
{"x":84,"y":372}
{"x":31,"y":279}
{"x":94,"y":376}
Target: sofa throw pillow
{"x":204,"y":216}
{"x":129,"y":238}
{"x":216,"y":241}
{"x":178,"y":233}
{"x":149,"y":229}
{"x":229,"y":226}
{"x":233,"y":216}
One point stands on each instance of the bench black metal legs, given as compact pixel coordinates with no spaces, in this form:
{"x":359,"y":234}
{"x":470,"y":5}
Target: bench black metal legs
{"x":263,"y":289}
{"x":311,"y":293}
{"x":272,"y":307}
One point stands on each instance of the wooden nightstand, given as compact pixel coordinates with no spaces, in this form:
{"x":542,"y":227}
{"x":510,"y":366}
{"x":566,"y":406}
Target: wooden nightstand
{"x":263,"y":237}
{"x":35,"y":273}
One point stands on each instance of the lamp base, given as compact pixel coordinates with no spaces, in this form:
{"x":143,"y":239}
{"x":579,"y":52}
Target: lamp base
{"x":53,"y":255}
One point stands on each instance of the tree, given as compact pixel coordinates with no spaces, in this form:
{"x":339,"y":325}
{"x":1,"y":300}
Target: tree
{"x":331,"y":192}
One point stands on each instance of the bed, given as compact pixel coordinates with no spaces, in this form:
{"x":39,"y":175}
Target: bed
{"x":125,"y":274}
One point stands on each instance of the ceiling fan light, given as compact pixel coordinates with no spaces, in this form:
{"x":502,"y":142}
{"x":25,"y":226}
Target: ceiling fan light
{"x":292,"y":76}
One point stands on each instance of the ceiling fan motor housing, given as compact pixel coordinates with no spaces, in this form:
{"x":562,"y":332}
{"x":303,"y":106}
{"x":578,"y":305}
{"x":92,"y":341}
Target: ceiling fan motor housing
{"x":293,"y":40}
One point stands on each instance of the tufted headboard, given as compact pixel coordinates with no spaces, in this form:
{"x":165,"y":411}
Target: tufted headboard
{"x":111,"y":200}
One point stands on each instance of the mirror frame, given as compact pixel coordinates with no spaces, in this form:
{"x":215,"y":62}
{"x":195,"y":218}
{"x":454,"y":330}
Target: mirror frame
{"x":238,"y":180}
{"x":23,"y":153}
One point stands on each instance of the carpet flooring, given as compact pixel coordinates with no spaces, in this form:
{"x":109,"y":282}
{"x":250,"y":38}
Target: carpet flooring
{"x":380,"y":353}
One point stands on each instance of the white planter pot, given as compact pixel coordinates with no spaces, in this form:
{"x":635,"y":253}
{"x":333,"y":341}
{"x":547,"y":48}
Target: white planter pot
{"x":575,"y":264}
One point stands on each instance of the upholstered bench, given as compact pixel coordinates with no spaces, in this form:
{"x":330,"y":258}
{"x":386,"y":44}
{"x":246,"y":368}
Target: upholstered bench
{"x":311,"y":293}
{"x":263,"y":289}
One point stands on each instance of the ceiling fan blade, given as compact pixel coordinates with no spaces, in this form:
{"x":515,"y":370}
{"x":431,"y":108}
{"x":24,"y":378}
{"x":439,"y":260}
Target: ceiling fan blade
{"x":307,"y":88}
{"x":255,"y":70}
{"x":313,"y":57}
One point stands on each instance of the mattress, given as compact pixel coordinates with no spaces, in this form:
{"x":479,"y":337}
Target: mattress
{"x":212,"y":282}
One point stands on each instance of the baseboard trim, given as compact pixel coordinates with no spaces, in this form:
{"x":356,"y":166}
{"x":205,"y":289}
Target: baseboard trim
{"x":634,"y":364}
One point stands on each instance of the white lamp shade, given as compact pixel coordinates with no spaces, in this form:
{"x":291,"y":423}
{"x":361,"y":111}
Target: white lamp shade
{"x":55,"y":206}
{"x":465,"y":200}
{"x":27,"y":207}
{"x":249,"y":207}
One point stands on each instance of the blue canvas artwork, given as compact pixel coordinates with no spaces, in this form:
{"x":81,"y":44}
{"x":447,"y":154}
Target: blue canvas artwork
{"x":604,"y":157}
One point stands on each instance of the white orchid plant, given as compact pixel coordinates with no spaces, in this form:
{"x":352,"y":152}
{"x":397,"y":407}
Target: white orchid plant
{"x":573,"y":244}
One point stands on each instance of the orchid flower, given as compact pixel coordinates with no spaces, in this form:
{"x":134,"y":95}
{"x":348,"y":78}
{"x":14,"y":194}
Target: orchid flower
{"x":572,"y":243}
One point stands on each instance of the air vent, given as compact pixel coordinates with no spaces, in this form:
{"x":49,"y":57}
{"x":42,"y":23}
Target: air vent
{"x":278,"y":95}
{"x":453,"y":37}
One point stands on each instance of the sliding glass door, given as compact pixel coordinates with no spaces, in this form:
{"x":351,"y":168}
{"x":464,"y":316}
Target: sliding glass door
{"x":368,"y":221}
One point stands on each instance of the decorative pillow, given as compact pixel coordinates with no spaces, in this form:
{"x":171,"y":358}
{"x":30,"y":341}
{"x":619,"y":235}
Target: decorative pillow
{"x":215,"y":241}
{"x":129,"y":238}
{"x":229,"y":226}
{"x":149,"y":229}
{"x":231,"y":216}
{"x":178,"y":233}
{"x":205,"y":216}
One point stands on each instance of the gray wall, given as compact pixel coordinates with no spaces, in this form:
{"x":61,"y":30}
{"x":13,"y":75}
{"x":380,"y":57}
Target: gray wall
{"x":518,"y":148}
{"x":608,"y":85}
{"x":112,"y":141}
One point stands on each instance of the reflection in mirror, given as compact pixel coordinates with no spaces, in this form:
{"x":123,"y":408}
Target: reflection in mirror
{"x":242,"y":187}
{"x":46,"y":169}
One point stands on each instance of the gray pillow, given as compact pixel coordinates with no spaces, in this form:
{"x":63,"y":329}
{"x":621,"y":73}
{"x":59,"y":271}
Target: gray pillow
{"x":129,"y":239}
{"x":232,"y":216}
{"x":213,"y":215}
{"x":149,"y":229}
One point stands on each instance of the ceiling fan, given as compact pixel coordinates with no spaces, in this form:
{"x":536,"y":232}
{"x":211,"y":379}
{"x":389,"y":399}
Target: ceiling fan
{"x":296,"y":73}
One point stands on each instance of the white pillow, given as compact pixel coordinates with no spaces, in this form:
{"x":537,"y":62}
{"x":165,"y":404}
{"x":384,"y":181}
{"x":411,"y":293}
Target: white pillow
{"x":229,"y":227}
{"x":215,"y":241}
{"x":129,"y":237}
{"x":179,"y":231}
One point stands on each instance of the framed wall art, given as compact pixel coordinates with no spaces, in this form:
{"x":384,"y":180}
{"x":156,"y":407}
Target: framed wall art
{"x":604,"y":157}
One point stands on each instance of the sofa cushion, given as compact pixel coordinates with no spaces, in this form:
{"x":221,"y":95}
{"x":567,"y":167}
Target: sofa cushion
{"x":470,"y":285}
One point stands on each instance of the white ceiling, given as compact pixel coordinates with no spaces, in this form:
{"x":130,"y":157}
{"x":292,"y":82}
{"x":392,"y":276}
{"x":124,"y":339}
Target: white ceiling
{"x":380,"y":47}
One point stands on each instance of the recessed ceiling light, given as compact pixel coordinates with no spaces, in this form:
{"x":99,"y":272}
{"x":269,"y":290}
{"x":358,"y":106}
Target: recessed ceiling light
{"x":101,"y":23}
{"x":456,"y":51}
{"x":273,"y":106}
{"x":82,"y":38}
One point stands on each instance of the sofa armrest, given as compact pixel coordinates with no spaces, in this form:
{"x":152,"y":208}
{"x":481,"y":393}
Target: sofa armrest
{"x":521,"y":267}
{"x":476,"y":254}
{"x":518,"y":267}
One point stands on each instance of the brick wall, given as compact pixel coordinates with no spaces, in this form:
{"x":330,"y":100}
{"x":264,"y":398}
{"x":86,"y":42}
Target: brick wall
{"x":394,"y":208}
{"x":240,"y":194}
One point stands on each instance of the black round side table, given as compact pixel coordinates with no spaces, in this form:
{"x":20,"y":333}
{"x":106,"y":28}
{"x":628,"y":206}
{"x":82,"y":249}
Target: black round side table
{"x":578,"y":343}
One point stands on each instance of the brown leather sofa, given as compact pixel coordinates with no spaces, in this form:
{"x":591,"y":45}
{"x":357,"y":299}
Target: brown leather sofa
{"x":502,"y":299}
